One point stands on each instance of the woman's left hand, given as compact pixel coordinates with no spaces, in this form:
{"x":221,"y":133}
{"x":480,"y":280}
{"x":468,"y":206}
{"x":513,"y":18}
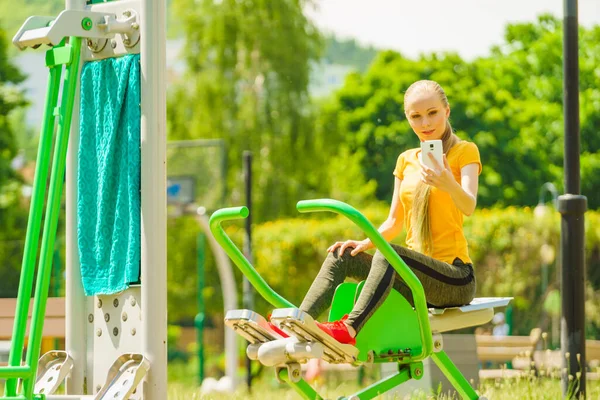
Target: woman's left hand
{"x":440,"y":177}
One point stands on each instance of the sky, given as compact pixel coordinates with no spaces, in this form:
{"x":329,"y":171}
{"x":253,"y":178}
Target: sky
{"x":469,"y":27}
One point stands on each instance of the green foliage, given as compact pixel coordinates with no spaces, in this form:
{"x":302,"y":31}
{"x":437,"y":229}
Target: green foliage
{"x":12,"y":16}
{"x":509,"y":104}
{"x":348,"y":52}
{"x":246,"y":82}
{"x":12,"y":212}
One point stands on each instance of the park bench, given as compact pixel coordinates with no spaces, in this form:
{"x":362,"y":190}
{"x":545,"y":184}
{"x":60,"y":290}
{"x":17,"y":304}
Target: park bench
{"x":54,"y":322}
{"x":551,"y":360}
{"x":518,"y":350}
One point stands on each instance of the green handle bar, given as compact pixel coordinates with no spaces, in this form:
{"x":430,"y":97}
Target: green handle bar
{"x":394,"y":259}
{"x":238,"y":258}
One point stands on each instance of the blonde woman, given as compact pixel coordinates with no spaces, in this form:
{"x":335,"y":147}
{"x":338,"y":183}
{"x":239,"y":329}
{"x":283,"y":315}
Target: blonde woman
{"x":430,"y":204}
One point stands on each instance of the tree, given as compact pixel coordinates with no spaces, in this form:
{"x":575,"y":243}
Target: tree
{"x":11,"y":17}
{"x":348,"y":52}
{"x":12,"y":214}
{"x":509,"y":103}
{"x":248,"y":66}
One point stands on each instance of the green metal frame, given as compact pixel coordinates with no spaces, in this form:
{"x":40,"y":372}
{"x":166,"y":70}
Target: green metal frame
{"x":379,"y":335}
{"x":67,"y":55}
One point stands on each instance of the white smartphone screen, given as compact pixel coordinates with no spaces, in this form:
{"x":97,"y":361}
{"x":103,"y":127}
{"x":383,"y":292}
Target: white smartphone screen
{"x":434,"y":147}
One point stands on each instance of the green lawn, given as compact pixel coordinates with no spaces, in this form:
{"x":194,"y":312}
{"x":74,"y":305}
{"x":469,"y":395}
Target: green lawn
{"x":267,"y":388}
{"x":534,"y":389}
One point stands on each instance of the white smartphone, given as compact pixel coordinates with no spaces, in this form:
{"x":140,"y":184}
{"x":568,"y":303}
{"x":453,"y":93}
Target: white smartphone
{"x":434,"y":147}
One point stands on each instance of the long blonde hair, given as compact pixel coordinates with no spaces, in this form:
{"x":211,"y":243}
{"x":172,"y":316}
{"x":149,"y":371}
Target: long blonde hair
{"x":421,"y":220}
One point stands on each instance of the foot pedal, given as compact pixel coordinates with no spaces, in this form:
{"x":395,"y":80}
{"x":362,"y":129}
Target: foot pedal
{"x":303,"y":326}
{"x":53,"y":368}
{"x":124,"y":376}
{"x":251,"y":326}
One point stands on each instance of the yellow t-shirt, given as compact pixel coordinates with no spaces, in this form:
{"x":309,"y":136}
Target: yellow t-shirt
{"x":446,"y":219}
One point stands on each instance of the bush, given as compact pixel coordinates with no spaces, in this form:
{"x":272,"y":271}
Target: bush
{"x":504,"y":246}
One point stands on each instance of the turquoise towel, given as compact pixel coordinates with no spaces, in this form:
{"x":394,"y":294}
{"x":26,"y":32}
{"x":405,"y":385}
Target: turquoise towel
{"x":108,"y":182}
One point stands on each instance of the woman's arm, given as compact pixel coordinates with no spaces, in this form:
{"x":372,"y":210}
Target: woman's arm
{"x":390,"y":228}
{"x":464,"y":194}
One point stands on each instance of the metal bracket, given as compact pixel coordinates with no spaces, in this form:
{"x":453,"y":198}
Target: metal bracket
{"x":438,"y":342}
{"x":416,"y":370}
{"x":128,"y":27}
{"x":37,"y":30}
{"x":124,"y":376}
{"x":294,"y":372}
{"x":53,"y":368}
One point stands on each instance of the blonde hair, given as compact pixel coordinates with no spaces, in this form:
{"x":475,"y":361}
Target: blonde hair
{"x":421,"y":223}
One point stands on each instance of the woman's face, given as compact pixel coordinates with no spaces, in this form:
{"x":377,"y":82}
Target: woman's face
{"x":427,"y":115}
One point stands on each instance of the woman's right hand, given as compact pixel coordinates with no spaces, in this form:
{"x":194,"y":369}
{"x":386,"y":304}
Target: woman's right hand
{"x":357,"y":245}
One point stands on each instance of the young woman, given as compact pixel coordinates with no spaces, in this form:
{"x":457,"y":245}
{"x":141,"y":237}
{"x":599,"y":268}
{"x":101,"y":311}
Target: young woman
{"x":430,"y":205}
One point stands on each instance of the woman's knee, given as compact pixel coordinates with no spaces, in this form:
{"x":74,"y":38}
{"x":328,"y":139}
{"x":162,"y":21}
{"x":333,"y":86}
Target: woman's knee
{"x":336,"y":261}
{"x":379,"y":258}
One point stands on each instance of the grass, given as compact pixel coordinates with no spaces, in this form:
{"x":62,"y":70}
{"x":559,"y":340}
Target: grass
{"x":269,"y":389}
{"x":182,"y":386}
{"x":506,"y":389}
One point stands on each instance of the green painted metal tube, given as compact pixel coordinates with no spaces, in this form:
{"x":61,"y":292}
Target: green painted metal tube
{"x":21,"y":372}
{"x":238,"y":258}
{"x":302,"y":387}
{"x":33,"y":228}
{"x":52,"y":213}
{"x":386,"y":249}
{"x":456,"y":378}
{"x":383,"y":385}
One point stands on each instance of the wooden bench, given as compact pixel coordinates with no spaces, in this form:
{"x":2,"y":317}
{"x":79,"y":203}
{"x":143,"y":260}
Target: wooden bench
{"x":592,"y":353}
{"x":518,"y":350}
{"x":552,"y":359}
{"x":54,"y":321}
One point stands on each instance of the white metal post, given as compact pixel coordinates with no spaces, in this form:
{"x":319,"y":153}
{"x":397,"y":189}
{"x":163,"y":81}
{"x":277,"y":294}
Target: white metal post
{"x":154,"y":196}
{"x":230,"y":300}
{"x":75,"y":302}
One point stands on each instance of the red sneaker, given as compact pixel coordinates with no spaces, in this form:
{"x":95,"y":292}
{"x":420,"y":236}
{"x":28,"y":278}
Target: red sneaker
{"x":337,"y":330}
{"x":279,"y":331}
{"x":276,"y":329}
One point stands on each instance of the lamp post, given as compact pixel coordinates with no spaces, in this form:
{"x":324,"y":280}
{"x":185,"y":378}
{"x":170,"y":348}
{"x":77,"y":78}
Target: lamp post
{"x":572,"y":206}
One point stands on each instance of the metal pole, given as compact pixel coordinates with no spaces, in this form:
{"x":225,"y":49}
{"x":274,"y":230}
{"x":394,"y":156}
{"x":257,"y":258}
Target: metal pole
{"x":230,"y":300}
{"x":75,"y":300}
{"x":200,"y":252}
{"x":572,"y":206}
{"x":248,"y":298}
{"x":154,"y":196}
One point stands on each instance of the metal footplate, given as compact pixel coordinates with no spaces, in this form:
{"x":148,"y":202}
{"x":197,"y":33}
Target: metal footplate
{"x":268,"y":346}
{"x":302,"y":326}
{"x":251,"y":326}
{"x":124,"y":376}
{"x":53,"y":368}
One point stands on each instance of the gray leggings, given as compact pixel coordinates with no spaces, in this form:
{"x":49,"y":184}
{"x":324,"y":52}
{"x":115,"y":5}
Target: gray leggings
{"x":445,"y":285}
